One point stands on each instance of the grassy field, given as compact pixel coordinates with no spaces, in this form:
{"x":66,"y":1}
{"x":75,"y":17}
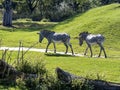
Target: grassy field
{"x":104,"y":20}
{"x":106,"y":69}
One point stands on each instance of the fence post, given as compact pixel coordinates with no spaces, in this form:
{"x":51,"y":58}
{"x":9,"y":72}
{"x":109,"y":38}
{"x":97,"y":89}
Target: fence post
{"x":18,"y":59}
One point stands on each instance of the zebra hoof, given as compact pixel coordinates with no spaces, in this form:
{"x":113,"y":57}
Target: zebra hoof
{"x":73,"y":55}
{"x":105,"y":56}
{"x":65,"y":52}
{"x":98,"y":56}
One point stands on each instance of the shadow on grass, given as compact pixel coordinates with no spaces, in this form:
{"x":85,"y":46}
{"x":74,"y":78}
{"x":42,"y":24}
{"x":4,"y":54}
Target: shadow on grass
{"x":34,"y":26}
{"x":28,"y":26}
{"x":114,"y":57}
{"x":58,"y":55}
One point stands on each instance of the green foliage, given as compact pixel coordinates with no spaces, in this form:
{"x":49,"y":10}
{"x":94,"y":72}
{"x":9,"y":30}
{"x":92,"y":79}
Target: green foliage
{"x":54,"y":10}
{"x":45,"y":20}
{"x":81,"y":85}
{"x":44,"y":80}
{"x":36,"y":67}
{"x":74,"y":85}
{"x":51,"y":83}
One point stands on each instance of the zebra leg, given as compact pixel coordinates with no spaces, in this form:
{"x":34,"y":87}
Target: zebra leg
{"x":66,"y":48}
{"x":102,"y":48}
{"x":47,"y":47}
{"x":86,"y":51}
{"x":104,"y":52}
{"x":54,"y":47}
{"x":90,"y":50}
{"x":71,"y":49}
{"x":100,"y":52}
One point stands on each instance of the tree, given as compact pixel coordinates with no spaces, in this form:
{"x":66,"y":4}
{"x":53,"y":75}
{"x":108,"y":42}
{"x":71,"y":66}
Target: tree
{"x":7,"y":17}
{"x":32,"y":4}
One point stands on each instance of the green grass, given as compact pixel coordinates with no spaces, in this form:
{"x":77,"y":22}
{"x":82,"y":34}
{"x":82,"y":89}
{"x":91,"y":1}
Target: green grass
{"x":107,"y":69}
{"x":104,"y":20}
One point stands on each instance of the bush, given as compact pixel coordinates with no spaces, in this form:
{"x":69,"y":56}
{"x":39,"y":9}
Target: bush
{"x":36,"y":67}
{"x":45,"y":20}
{"x":43,"y":80}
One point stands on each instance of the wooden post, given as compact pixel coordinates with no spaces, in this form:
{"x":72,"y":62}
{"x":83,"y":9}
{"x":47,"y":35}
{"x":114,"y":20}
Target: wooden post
{"x":18,"y":56}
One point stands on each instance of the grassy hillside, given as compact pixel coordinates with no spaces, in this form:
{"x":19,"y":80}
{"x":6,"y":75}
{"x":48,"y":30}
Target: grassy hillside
{"x":104,"y":20}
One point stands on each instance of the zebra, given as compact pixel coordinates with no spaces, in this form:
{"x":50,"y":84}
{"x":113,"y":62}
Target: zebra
{"x":90,"y":40}
{"x":54,"y":37}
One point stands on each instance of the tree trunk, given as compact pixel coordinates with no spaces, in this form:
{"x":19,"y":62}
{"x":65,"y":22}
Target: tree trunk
{"x":67,"y":78}
{"x":7,"y":17}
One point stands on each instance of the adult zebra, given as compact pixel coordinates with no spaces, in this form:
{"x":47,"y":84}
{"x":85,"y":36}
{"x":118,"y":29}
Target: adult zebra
{"x":92,"y":39}
{"x":54,"y":37}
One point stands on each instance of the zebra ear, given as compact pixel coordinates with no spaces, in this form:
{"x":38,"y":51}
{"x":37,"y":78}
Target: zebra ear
{"x":86,"y":32}
{"x":38,"y":33}
{"x":80,"y":34}
{"x":76,"y":37}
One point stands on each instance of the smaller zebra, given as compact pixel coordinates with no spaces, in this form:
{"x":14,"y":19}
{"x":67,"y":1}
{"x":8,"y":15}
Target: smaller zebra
{"x":54,"y":37}
{"x":90,"y":40}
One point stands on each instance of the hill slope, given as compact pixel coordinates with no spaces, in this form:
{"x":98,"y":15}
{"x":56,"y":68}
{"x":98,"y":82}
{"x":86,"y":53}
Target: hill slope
{"x":104,"y":20}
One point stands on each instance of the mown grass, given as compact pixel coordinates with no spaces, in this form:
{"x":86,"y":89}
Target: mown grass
{"x":107,"y":69}
{"x":104,"y":20}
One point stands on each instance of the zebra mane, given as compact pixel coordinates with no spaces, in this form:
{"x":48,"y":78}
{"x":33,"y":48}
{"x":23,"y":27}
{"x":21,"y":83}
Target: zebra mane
{"x":48,"y":31}
{"x":84,"y":33}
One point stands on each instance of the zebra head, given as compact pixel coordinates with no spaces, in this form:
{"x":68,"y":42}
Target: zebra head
{"x":82,"y":37}
{"x":41,"y":36}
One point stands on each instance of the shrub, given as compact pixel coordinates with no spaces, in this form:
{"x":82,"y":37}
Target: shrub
{"x":45,"y":20}
{"x":36,"y":67}
{"x":44,"y":81}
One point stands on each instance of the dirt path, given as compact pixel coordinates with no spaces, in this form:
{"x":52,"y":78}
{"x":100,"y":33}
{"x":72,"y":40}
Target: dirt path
{"x":36,"y":50}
